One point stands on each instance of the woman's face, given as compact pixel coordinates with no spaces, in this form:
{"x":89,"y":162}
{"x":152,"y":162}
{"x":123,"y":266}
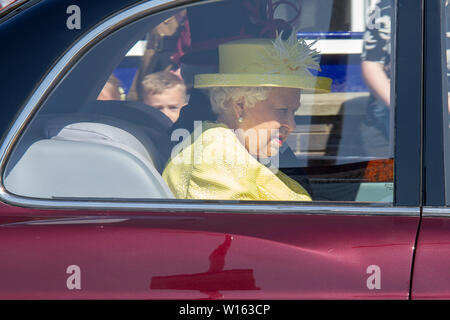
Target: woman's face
{"x":266,"y":126}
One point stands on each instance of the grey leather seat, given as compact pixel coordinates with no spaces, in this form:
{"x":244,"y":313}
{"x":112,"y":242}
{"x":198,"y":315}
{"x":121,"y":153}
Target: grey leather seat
{"x":83,"y":159}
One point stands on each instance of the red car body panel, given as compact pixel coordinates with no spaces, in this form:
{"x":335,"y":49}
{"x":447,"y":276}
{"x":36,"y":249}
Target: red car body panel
{"x":432,"y":261}
{"x":150,"y":255}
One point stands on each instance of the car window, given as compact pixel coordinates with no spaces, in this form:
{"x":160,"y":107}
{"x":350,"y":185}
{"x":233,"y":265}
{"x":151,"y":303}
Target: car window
{"x":253,"y":100}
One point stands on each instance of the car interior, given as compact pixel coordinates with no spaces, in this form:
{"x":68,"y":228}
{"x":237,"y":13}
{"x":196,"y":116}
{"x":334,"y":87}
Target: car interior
{"x":80,"y":147}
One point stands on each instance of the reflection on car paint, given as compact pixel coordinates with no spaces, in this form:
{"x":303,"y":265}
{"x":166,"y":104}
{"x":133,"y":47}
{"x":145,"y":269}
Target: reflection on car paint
{"x":213,"y":281}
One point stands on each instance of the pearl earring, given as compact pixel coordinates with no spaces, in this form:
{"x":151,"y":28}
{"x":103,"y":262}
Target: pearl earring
{"x":240,"y":119}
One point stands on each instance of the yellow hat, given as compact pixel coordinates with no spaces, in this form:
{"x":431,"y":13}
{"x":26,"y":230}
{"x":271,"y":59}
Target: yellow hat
{"x":266,"y":63}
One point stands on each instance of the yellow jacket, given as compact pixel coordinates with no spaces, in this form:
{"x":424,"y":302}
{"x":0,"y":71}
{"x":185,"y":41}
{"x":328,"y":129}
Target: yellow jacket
{"x":216,"y":166}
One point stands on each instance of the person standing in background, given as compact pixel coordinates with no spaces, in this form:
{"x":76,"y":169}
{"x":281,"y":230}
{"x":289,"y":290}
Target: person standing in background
{"x":166,"y":44}
{"x":376,"y":71}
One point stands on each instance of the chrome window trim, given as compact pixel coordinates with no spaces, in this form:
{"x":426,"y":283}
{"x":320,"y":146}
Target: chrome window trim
{"x":59,"y":70}
{"x":11,"y":7}
{"x":181,"y":206}
{"x":436,"y":212}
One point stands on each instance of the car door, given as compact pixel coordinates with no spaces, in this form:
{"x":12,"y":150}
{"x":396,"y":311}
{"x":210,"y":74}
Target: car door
{"x":62,"y":235}
{"x":430,"y":280}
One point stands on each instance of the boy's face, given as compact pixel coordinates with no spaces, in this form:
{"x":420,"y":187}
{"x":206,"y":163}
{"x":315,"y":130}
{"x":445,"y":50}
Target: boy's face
{"x":169,"y":102}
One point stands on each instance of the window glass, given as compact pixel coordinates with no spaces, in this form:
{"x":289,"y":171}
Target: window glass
{"x":256,"y":100}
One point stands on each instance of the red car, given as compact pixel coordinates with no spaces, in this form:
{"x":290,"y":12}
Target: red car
{"x":86,"y":211}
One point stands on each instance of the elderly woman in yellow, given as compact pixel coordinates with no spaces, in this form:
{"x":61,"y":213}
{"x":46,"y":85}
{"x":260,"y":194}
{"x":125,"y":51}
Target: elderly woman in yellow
{"x":255,"y":96}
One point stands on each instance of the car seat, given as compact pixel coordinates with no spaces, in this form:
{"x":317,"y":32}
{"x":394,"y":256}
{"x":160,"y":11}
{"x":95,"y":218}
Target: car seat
{"x":84,"y":155}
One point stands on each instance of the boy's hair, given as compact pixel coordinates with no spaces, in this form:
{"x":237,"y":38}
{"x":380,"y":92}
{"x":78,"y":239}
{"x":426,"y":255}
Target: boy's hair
{"x":156,"y":83}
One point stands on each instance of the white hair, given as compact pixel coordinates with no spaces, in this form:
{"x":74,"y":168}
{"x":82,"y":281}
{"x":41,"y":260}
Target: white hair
{"x":218,"y":96}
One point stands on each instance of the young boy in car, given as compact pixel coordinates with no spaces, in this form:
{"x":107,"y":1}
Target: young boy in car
{"x":165,"y":92}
